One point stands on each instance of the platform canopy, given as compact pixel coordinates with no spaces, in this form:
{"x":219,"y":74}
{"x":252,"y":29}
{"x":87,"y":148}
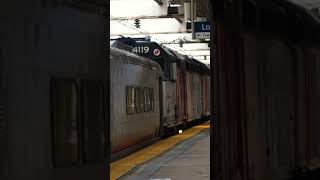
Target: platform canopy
{"x":152,"y":19}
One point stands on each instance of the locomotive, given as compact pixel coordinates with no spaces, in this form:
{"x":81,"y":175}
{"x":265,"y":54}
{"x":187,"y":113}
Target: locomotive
{"x":155,"y":91}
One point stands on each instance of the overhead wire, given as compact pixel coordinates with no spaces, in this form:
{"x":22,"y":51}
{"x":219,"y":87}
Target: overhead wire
{"x":159,"y":40}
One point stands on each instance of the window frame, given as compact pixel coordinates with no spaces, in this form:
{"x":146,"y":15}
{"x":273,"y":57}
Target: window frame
{"x":86,"y":86}
{"x":151,"y":99}
{"x":74,"y":118}
{"x":143,"y":99}
{"x":75,"y":92}
{"x":139,"y":100}
{"x":147,"y":99}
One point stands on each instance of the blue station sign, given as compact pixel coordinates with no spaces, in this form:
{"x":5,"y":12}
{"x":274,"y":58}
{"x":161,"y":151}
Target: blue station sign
{"x":202,"y":30}
{"x":202,"y":26}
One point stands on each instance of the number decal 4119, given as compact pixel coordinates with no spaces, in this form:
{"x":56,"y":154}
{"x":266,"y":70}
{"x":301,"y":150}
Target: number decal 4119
{"x":141,"y":49}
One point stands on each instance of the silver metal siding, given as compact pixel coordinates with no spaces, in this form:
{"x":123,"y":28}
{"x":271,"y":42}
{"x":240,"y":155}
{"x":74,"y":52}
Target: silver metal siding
{"x":127,"y":129}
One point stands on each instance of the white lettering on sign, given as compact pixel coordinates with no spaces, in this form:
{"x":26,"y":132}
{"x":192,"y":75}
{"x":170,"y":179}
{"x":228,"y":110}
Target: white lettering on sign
{"x":205,"y":27}
{"x":141,"y":49}
{"x":202,"y":35}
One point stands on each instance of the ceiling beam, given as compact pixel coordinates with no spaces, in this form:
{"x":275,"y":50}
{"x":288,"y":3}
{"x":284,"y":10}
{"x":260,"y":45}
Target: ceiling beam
{"x":146,"y":17}
{"x":159,"y":2}
{"x":196,"y":50}
{"x":179,"y":20}
{"x":185,"y":42}
{"x":147,"y":33}
{"x":194,"y":53}
{"x":196,"y":56}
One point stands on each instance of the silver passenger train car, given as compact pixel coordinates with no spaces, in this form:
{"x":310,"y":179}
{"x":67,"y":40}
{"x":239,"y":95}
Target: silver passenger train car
{"x":135,"y":101}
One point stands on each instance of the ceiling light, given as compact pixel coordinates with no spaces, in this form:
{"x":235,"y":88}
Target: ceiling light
{"x":174,"y":5}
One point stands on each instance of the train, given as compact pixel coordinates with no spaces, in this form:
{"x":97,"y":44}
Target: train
{"x":266,"y":94}
{"x":135,"y":99}
{"x":157,"y":88}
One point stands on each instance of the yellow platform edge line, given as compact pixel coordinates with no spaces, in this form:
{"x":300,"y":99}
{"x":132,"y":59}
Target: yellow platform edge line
{"x":122,"y":166}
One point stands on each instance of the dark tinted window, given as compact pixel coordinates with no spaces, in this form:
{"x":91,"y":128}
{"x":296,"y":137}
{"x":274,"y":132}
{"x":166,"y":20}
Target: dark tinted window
{"x":151,"y":99}
{"x":93,"y":121}
{"x":130,"y":100}
{"x":147,"y":99}
{"x":65,"y":122}
{"x":78,"y":122}
{"x":139,"y":100}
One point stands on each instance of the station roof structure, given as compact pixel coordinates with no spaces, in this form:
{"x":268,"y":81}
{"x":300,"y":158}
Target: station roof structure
{"x":155,"y":22}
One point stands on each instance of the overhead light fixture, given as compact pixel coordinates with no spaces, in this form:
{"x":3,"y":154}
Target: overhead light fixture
{"x":172,"y":10}
{"x":174,"y":5}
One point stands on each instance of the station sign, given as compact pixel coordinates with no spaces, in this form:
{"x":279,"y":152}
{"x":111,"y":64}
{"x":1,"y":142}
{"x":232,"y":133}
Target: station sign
{"x":202,"y":30}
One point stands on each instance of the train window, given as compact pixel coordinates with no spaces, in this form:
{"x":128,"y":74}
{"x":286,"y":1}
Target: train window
{"x":93,"y":125}
{"x":151,"y":99}
{"x":173,"y":71}
{"x":147,"y":99}
{"x":139,"y":100}
{"x":130,"y":100}
{"x":65,"y":122}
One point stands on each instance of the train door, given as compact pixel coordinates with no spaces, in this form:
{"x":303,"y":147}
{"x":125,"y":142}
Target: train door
{"x":78,"y":122}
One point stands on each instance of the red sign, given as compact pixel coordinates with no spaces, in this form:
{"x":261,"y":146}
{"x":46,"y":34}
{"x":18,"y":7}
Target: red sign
{"x":156,"y":52}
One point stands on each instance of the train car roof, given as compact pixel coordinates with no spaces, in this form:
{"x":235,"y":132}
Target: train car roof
{"x":168,"y":51}
{"x":192,"y":63}
{"x":178,"y":55}
{"x":120,"y":45}
{"x":136,"y":59}
{"x":204,"y":68}
{"x":166,"y":54}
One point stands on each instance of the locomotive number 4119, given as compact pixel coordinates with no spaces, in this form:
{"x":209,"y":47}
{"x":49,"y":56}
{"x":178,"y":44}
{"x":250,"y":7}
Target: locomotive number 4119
{"x":141,"y":49}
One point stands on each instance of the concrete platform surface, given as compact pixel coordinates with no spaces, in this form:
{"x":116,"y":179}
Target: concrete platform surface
{"x":188,"y":160}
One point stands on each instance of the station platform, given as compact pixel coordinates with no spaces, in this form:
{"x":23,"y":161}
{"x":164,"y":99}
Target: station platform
{"x":180,"y":157}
